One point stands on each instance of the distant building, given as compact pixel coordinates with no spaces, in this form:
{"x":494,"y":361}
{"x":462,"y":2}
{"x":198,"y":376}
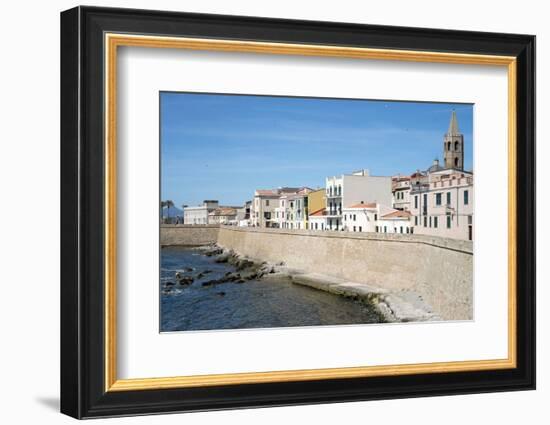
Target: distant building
{"x":316,"y":201}
{"x":395,"y":222}
{"x":317,"y":220}
{"x":375,"y":217}
{"x":401,"y":192}
{"x":293,"y":209}
{"x":199,"y":214}
{"x":264,"y":204}
{"x":444,"y":207}
{"x":352,"y":189}
{"x":442,"y":198}
{"x":247,"y":208}
{"x":223,"y":215}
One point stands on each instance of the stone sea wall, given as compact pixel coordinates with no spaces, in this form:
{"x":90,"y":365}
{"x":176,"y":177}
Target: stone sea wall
{"x":438,"y":271}
{"x":182,"y":235}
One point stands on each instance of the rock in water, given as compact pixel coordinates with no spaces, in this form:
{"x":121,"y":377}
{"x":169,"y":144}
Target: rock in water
{"x":186,"y":280}
{"x":222,"y":258}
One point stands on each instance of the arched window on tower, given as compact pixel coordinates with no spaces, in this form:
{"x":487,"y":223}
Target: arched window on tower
{"x":456,"y":162}
{"x":456,"y":146}
{"x":449,"y":146}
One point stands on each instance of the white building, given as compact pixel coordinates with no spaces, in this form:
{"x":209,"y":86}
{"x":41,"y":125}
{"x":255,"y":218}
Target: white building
{"x":351,"y":189}
{"x":376,"y":218}
{"x":318,"y":220}
{"x":199,"y":214}
{"x":280,"y":212}
{"x":395,"y":222}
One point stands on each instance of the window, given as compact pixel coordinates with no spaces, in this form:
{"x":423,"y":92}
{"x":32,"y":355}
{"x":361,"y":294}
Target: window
{"x":448,"y":198}
{"x":401,"y":229}
{"x":466,"y":197}
{"x":438,"y":199}
{"x":267,"y":202}
{"x":448,"y":221}
{"x":449,"y":146}
{"x":375,"y":217}
{"x":425,"y":221}
{"x":360,"y":229}
{"x":376,"y":229}
{"x":430,"y":221}
{"x":416,"y":220}
{"x":345,"y":217}
{"x":456,"y":162}
{"x":469,"y":219}
{"x":354,"y":228}
{"x":385,"y":229}
{"x":354,"y":217}
{"x":416,"y":201}
{"x":435,"y":222}
{"x":456,"y":146}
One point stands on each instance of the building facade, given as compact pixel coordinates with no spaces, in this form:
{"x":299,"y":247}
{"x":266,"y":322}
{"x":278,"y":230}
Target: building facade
{"x":223,"y":215}
{"x":375,"y":218}
{"x":444,"y":206}
{"x":397,"y":221}
{"x":318,"y":220}
{"x":442,"y":199}
{"x":316,"y":201}
{"x":401,"y":192}
{"x":351,"y":189}
{"x":267,"y":206}
{"x":198,"y":215}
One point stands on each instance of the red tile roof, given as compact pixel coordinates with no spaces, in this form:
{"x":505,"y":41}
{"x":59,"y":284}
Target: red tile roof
{"x":318,"y":213}
{"x":398,"y":214}
{"x":369,"y":205}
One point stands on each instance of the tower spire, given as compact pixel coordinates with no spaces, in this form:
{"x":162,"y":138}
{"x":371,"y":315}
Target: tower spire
{"x":453,"y":125}
{"x":453,"y":146}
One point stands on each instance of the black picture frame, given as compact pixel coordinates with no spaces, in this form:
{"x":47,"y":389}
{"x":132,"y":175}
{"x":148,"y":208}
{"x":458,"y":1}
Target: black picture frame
{"x":83,"y":392}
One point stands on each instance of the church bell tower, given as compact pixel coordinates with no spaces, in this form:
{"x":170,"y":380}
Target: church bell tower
{"x":453,"y":146}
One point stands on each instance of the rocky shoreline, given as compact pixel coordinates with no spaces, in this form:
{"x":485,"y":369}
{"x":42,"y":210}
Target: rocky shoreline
{"x":391,"y":307}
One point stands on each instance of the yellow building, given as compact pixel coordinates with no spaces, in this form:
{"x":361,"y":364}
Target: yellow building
{"x":315,"y":202}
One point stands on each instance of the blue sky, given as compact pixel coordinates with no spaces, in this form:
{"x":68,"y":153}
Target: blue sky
{"x":225,"y":146}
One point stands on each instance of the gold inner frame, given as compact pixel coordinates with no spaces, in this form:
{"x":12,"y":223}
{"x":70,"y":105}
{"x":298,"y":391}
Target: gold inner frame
{"x":113,"y":41}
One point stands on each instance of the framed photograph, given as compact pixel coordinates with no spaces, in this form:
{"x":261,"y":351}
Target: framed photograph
{"x":261,"y":212}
